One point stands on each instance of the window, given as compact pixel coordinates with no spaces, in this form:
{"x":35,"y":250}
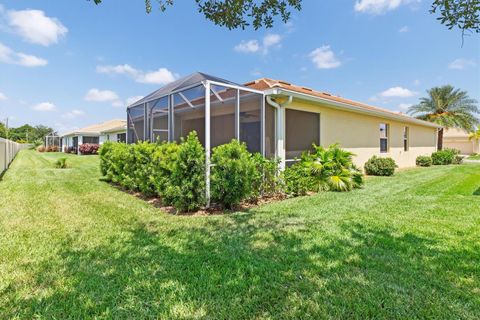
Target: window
{"x":302,"y":130}
{"x":406,"y":138}
{"x":122,"y":137}
{"x":93,"y":140}
{"x":384,"y":132}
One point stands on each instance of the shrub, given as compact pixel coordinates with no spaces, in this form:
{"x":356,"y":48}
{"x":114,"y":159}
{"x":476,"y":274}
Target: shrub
{"x":52,"y":149}
{"x":458,"y":159}
{"x":164,"y":158}
{"x":61,"y":163}
{"x":444,"y":157}
{"x":185,"y":189}
{"x":41,"y":149}
{"x":233,"y":174}
{"x":89,"y":148}
{"x":266,"y":179}
{"x":330,"y":169}
{"x":376,"y":166}
{"x":424,"y":161}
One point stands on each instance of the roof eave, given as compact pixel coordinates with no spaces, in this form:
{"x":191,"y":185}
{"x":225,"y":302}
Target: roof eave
{"x":350,"y":107}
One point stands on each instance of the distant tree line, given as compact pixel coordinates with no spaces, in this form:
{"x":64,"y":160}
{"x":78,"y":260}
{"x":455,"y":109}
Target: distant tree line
{"x":25,"y":133}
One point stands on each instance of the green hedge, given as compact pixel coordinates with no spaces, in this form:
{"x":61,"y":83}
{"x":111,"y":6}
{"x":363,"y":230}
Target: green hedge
{"x":424,"y":161}
{"x":444,"y":157}
{"x":376,"y":166}
{"x":176,"y":172}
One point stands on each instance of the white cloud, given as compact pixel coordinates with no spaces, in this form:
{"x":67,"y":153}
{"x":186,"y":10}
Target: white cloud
{"x":397,"y":92}
{"x":324,"y":58}
{"x":404,"y":29}
{"x":404,"y":106}
{"x":271,"y":39}
{"x":379,"y":6}
{"x":35,"y":27}
{"x":96,"y":95}
{"x":461,"y":63}
{"x":3,"y":97}
{"x":161,"y":76}
{"x":73,"y":114}
{"x":253,"y":46}
{"x":133,"y":100}
{"x":9,"y":56}
{"x":250,"y":46}
{"x":44,"y":107}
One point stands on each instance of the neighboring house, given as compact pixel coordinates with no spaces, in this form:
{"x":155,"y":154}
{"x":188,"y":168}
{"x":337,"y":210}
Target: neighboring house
{"x":455,"y":138}
{"x":113,"y":130}
{"x":277,"y":119}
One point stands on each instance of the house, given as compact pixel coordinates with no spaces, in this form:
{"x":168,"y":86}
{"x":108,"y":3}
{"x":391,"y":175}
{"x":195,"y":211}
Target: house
{"x":455,"y":138}
{"x":278,"y":119}
{"x":113,"y":130}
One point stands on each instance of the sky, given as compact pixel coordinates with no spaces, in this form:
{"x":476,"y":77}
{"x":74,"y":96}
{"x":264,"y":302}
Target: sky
{"x":68,"y":64}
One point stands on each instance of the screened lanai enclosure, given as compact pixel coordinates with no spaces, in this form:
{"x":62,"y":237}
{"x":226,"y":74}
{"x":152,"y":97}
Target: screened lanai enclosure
{"x":217,"y":109}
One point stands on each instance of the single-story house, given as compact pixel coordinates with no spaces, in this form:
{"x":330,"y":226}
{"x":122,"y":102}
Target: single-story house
{"x":112,"y":130}
{"x":455,"y":138}
{"x":276,"y":118}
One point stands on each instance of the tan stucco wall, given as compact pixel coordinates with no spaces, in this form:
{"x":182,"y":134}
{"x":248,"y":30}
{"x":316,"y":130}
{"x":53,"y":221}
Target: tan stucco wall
{"x":464,"y":145}
{"x":359,"y":134}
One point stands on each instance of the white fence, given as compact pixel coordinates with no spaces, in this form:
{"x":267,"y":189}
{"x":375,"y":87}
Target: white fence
{"x":8,"y":151}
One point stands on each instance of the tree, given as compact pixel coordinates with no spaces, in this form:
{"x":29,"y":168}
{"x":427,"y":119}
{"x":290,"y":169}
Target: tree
{"x":29,"y":133}
{"x":235,"y":14}
{"x":475,"y":135}
{"x":448,"y":107}
{"x":3,"y":130}
{"x":463,"y":14}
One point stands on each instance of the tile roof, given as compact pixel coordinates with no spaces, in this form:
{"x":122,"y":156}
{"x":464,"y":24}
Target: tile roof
{"x":98,"y":128}
{"x":267,"y":83}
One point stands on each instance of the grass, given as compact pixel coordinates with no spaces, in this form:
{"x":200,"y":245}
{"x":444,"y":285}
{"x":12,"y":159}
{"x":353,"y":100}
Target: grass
{"x":474,"y":157}
{"x":404,"y":247}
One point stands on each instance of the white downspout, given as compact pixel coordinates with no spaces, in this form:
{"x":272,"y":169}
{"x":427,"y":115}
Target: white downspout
{"x":280,"y":134}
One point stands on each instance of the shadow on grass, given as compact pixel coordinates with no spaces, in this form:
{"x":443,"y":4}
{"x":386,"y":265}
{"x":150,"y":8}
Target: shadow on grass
{"x":247,"y":268}
{"x":477,"y":192}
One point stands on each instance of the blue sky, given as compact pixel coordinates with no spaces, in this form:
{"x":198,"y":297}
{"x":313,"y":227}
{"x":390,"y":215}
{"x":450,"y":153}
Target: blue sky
{"x":68,"y":64}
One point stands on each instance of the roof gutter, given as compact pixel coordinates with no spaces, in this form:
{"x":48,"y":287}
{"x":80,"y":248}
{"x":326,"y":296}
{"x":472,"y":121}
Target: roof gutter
{"x":345,"y":106}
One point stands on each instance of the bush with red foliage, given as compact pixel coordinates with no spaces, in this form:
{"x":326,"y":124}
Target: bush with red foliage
{"x":89,"y":148}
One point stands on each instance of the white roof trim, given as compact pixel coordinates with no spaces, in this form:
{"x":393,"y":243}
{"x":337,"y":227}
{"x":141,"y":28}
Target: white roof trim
{"x":350,"y":107}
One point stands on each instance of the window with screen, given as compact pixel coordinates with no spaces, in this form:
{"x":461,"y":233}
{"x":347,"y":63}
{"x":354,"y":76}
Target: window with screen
{"x":384,"y":132}
{"x":222,"y":115}
{"x":122,"y":137}
{"x":406,"y":138}
{"x":302,"y":131}
{"x":189,"y":113}
{"x":93,"y":140}
{"x":136,"y":121}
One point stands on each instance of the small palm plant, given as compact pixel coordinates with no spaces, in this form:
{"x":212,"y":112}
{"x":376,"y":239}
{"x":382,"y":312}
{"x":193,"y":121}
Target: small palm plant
{"x":448,"y":107}
{"x":332,"y":169}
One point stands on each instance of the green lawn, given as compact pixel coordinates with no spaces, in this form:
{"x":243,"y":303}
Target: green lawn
{"x":474,"y":157}
{"x":72,"y":246}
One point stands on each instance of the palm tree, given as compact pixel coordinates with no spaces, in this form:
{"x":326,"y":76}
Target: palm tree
{"x":448,"y":107}
{"x":475,"y":135}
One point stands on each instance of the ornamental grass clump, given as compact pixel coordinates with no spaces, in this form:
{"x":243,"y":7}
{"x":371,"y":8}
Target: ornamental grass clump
{"x":324,"y":169}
